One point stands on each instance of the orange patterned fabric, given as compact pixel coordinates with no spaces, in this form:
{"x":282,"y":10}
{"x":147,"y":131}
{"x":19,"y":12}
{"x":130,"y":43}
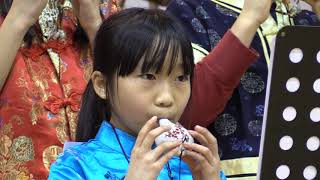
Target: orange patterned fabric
{"x":38,"y":105}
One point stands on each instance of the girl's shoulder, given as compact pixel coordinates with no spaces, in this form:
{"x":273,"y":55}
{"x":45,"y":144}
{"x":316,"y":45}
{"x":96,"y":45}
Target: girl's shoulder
{"x":84,"y":153}
{"x":75,"y":155}
{"x":69,"y":163}
{"x":88,"y":160}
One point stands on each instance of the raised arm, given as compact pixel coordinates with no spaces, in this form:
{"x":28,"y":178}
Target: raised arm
{"x":253,"y":14}
{"x":315,"y":4}
{"x":219,"y":73}
{"x":88,"y":13}
{"x":22,"y":15}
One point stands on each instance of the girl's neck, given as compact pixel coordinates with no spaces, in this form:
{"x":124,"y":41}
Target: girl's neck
{"x":115,"y":123}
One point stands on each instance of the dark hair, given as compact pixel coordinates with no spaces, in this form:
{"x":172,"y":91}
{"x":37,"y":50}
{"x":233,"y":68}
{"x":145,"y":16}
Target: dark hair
{"x":122,"y":41}
{"x":4,"y":7}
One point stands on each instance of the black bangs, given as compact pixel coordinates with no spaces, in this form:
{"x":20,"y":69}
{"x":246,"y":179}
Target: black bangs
{"x":165,"y":49}
{"x":4,"y":7}
{"x":151,"y":36}
{"x":156,"y":38}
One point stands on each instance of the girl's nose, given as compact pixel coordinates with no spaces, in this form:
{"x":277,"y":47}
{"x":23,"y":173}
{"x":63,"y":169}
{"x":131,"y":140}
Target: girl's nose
{"x":164,"y":96}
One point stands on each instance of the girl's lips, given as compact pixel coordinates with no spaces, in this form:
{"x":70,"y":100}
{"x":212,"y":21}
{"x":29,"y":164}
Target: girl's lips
{"x":165,"y":122}
{"x":166,"y":117}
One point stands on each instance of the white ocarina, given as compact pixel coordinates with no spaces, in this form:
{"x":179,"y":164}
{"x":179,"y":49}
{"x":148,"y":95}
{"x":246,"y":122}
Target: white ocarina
{"x":177,"y":133}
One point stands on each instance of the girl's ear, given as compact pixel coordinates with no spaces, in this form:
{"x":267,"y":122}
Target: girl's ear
{"x":99,"y":84}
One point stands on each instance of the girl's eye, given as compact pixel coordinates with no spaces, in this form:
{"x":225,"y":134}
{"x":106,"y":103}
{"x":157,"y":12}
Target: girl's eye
{"x":183,"y":78}
{"x":148,"y":76}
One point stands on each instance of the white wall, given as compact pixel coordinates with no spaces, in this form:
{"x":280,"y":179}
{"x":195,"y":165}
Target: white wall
{"x":140,"y":3}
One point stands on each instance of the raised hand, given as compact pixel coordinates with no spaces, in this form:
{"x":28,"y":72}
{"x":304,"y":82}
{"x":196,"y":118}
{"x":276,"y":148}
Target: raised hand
{"x":88,"y":13}
{"x":27,"y":11}
{"x":21,"y":16}
{"x":146,"y":162}
{"x":256,"y":11}
{"x":316,"y":8}
{"x":203,"y":160}
{"x":315,"y":4}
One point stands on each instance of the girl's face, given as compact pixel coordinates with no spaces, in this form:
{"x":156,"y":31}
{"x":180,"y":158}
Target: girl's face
{"x":137,"y":97}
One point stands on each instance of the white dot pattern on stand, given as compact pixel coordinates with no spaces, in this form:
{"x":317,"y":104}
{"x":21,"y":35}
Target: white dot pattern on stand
{"x":289,"y":113}
{"x":296,"y":55}
{"x":293,"y":111}
{"x":286,"y":143}
{"x":310,"y":172}
{"x":293,"y":84}
{"x":313,"y":143}
{"x":283,"y":172}
{"x":315,"y":114}
{"x":316,"y":86}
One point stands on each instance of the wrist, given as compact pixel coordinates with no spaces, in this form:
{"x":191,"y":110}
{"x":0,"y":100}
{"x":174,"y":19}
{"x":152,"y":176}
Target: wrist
{"x":19,"y":21}
{"x":91,"y":29}
{"x":245,"y":29}
{"x":18,"y":24}
{"x":250,"y":21}
{"x":93,"y":24}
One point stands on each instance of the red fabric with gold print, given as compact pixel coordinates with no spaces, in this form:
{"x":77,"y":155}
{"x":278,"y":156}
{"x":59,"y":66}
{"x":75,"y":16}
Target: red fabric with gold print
{"x":38,"y":105}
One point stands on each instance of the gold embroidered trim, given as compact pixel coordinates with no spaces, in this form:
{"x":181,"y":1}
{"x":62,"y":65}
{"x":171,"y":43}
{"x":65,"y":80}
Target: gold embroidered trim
{"x":239,"y":166}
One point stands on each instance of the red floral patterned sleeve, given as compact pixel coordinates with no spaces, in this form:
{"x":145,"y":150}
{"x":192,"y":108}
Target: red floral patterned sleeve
{"x":39,"y":103}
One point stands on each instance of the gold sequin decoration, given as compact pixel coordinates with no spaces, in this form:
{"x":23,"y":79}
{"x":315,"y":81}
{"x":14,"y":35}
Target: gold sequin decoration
{"x":22,"y":148}
{"x":72,"y":123}
{"x":10,"y":167}
{"x":61,"y":128}
{"x":50,"y":155}
{"x":5,"y":144}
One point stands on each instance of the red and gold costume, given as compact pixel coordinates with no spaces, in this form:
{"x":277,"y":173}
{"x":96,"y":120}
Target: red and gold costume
{"x":40,"y":99}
